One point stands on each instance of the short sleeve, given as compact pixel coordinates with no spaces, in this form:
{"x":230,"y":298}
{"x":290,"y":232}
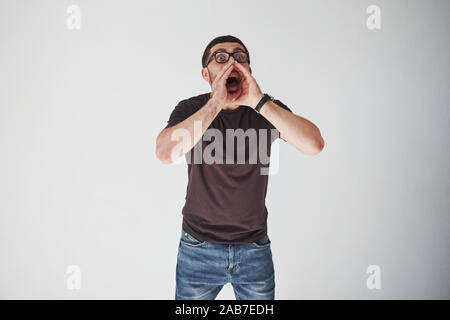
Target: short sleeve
{"x":181,"y":112}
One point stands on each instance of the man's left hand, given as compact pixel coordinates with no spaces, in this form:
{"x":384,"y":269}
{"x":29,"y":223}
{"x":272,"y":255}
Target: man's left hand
{"x":250,"y":91}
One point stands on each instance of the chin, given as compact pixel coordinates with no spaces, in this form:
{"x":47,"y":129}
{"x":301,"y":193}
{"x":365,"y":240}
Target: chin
{"x":235,"y":93}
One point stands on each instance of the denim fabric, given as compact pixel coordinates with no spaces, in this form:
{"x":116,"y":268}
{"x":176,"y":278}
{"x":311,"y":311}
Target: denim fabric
{"x":203,"y":268}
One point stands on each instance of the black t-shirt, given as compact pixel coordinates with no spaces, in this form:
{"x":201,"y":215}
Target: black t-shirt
{"x":225,"y":202}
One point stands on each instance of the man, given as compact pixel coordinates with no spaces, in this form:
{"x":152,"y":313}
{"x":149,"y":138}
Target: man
{"x":224,"y":232}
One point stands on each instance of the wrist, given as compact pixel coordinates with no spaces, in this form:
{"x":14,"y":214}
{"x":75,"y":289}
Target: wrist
{"x":215,"y":104}
{"x":257,"y":98}
{"x":263,"y":101}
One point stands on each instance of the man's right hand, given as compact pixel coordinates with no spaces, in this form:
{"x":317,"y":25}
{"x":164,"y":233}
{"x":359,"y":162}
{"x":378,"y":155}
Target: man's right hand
{"x":219,"y":85}
{"x":168,"y":149}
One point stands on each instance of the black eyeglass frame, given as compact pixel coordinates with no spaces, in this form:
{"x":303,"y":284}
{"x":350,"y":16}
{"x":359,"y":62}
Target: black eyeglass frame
{"x":228,"y":57}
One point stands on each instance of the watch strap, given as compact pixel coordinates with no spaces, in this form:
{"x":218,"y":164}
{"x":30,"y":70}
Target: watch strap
{"x":262,"y":102}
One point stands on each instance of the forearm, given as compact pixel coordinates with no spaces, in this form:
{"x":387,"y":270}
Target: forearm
{"x":173,"y":142}
{"x":298,"y":131}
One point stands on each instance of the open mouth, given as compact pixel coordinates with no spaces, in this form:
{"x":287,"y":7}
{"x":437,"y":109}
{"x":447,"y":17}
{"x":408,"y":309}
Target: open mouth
{"x":233,"y":83}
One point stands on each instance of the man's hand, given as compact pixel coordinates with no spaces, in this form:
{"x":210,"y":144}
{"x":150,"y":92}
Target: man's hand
{"x":219,"y":87}
{"x":250,"y":91}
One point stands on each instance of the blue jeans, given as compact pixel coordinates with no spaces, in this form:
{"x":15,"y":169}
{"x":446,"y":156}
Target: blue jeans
{"x":204,"y":267}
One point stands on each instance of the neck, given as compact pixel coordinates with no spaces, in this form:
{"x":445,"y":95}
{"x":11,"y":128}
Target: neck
{"x":224,"y":108}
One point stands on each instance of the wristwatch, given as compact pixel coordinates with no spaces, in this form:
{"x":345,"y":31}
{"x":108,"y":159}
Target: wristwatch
{"x":263,"y":101}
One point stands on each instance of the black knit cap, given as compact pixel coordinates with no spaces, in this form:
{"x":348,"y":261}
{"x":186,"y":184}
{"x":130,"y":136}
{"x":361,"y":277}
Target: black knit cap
{"x":221,"y":39}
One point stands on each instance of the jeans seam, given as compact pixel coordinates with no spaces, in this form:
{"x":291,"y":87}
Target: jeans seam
{"x":238,"y":259}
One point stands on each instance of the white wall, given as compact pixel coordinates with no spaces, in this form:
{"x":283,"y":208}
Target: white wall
{"x":80,"y":111}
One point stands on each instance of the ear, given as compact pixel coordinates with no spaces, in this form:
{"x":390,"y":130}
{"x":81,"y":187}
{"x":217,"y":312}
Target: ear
{"x":250,"y":68}
{"x":205,"y":74}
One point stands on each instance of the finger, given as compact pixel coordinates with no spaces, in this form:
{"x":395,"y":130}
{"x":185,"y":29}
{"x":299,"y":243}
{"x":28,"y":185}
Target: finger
{"x":224,"y":69}
{"x":225,"y":75}
{"x":242,"y":70}
{"x":222,"y":80}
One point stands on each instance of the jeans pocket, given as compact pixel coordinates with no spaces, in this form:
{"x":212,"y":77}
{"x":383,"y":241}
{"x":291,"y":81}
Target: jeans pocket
{"x":262,"y":243}
{"x":190,"y":240}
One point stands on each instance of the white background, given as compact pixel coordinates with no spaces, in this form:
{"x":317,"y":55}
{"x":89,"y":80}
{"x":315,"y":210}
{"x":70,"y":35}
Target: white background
{"x":80,"y":111}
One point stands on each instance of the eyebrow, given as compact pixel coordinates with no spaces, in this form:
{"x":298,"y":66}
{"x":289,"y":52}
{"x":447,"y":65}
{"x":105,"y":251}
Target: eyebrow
{"x":235,"y":49}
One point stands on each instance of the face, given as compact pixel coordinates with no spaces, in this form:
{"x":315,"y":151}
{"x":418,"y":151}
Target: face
{"x":210,"y":72}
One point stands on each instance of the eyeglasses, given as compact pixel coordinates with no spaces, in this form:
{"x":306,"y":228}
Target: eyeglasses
{"x":223,"y":56}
